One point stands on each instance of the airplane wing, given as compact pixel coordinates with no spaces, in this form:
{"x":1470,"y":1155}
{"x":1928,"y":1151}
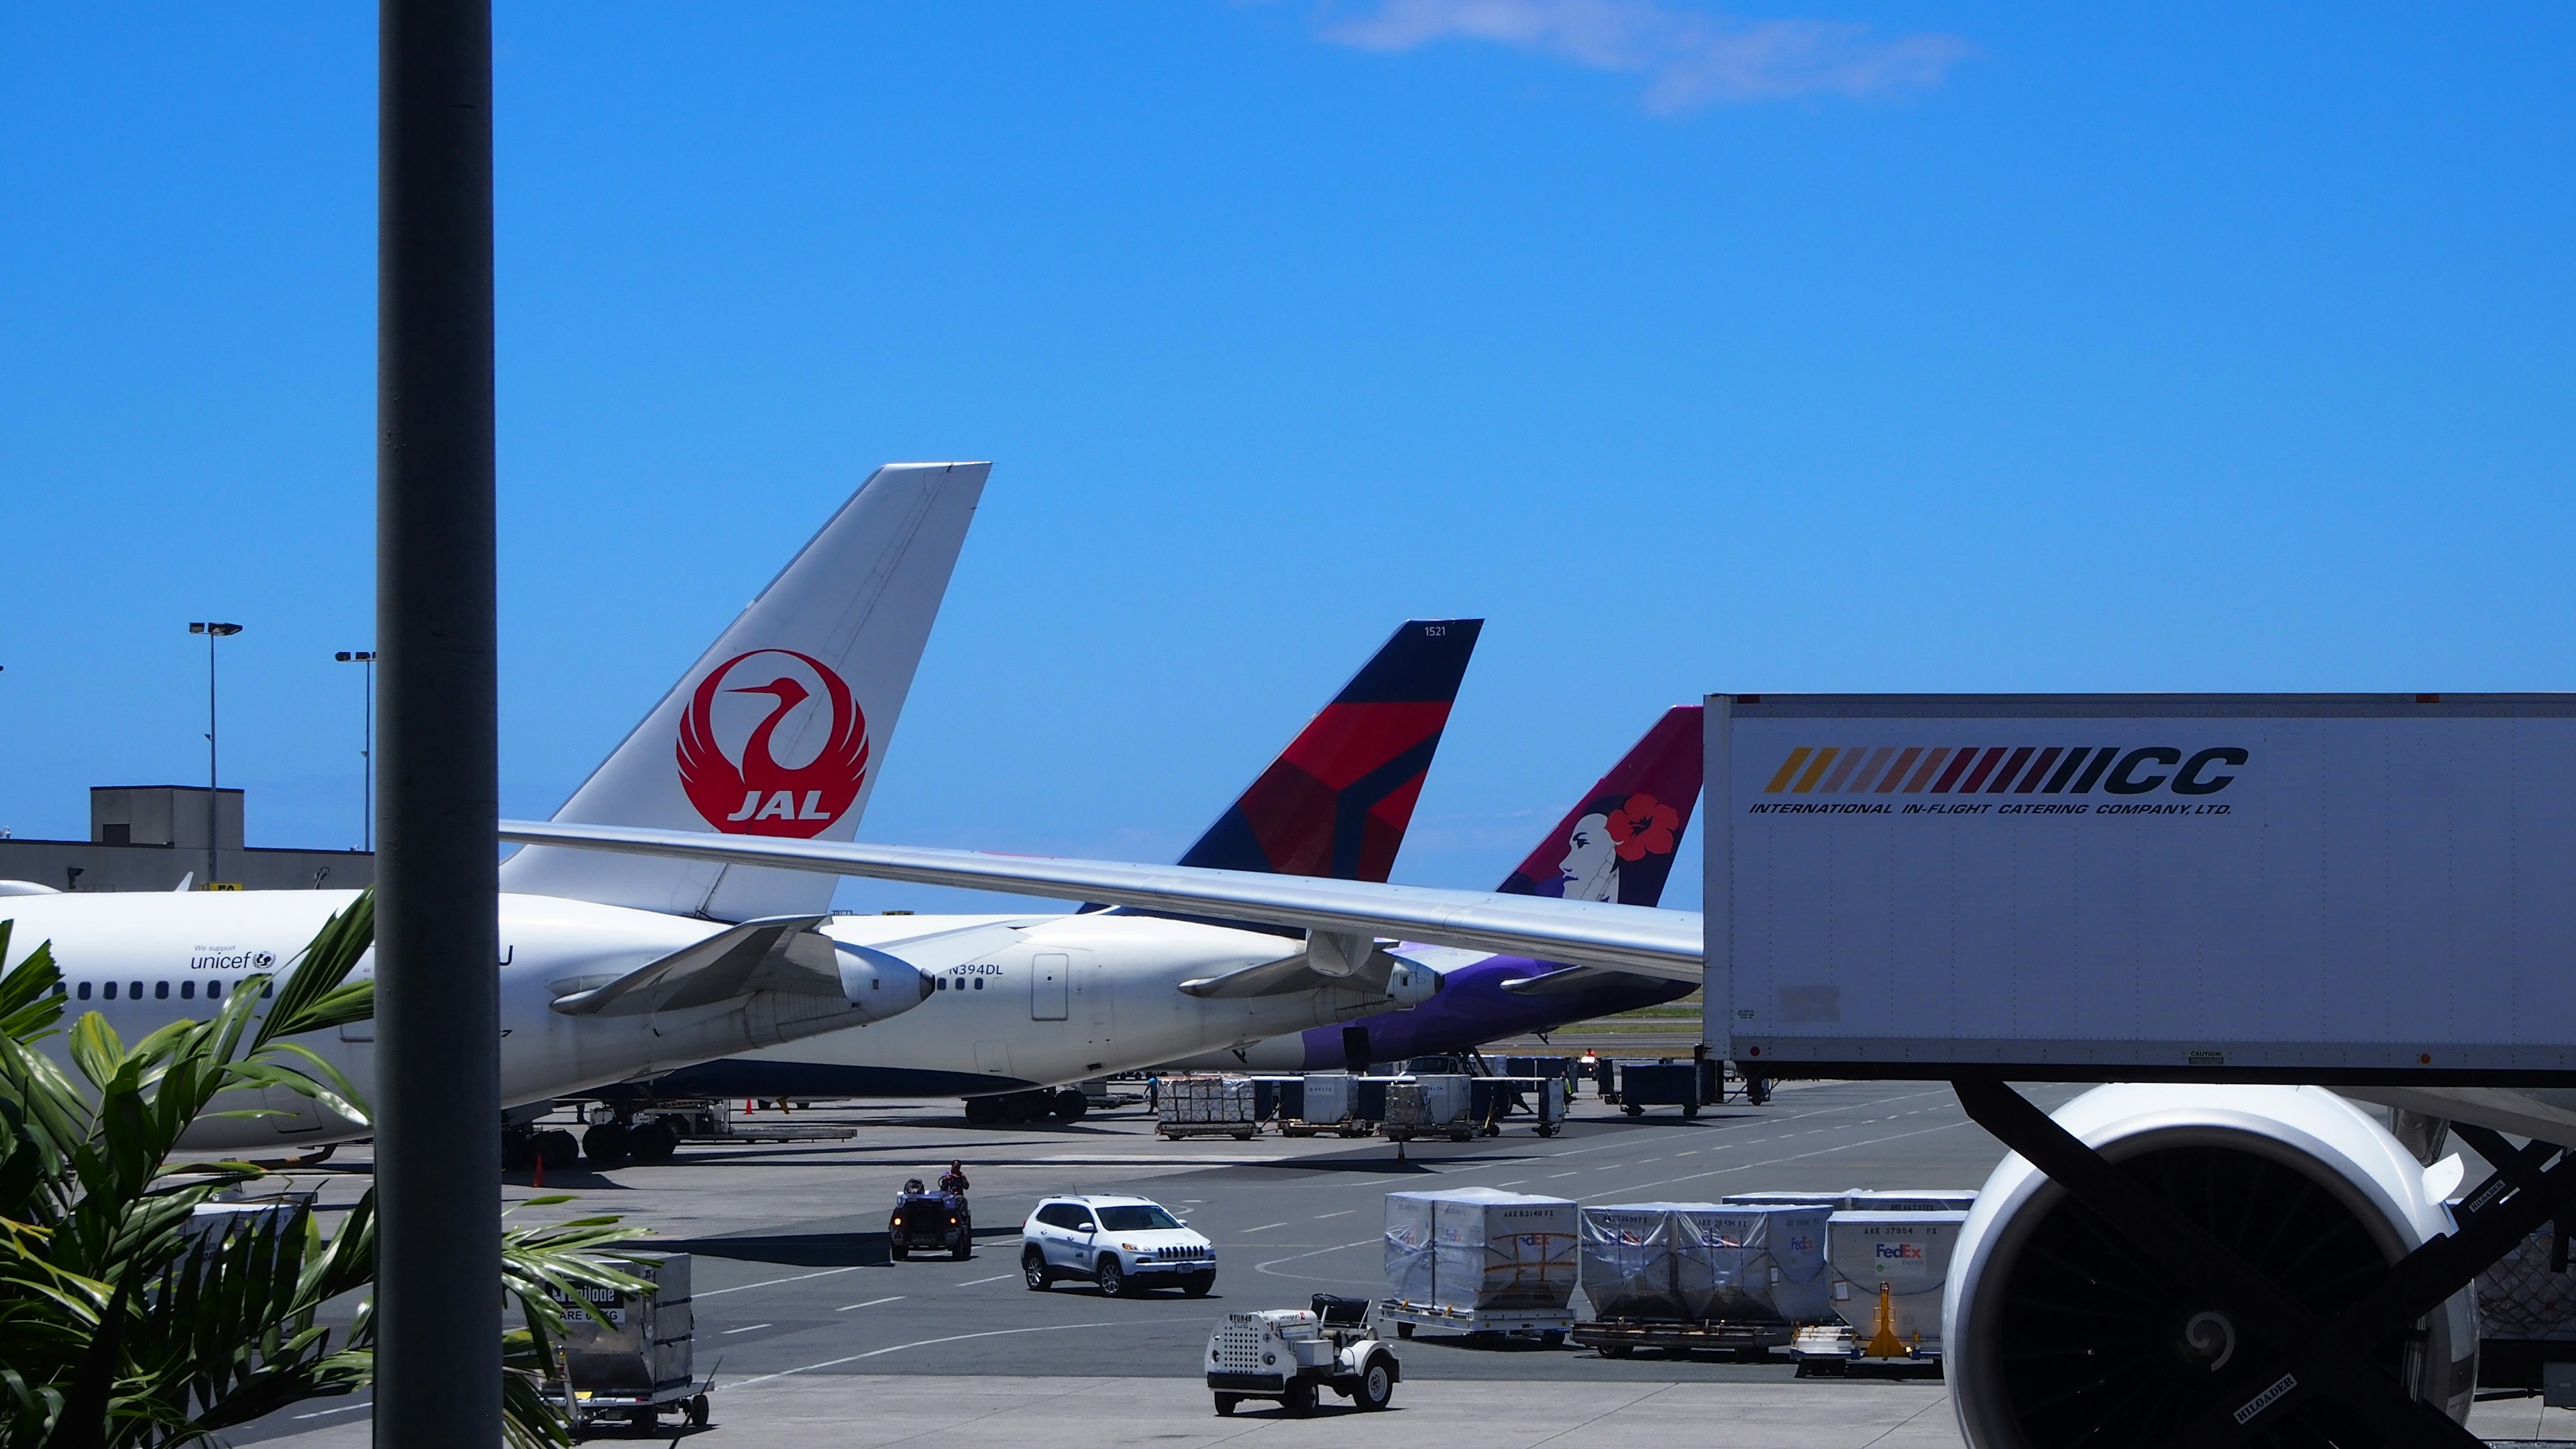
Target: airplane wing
{"x":714,"y":969}
{"x":1571,"y":979}
{"x":1645,"y":940}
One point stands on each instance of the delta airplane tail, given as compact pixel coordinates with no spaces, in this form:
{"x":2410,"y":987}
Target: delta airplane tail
{"x":1337,"y":801}
{"x":780,"y":729}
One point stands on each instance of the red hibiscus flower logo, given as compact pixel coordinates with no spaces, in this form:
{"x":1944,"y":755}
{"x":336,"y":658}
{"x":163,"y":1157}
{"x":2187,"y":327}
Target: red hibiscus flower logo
{"x":1644,"y":826}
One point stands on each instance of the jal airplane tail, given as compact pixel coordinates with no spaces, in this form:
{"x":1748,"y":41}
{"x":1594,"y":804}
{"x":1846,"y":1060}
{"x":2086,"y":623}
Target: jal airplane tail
{"x":1336,"y":802}
{"x":1618,"y":843}
{"x":781,"y":727}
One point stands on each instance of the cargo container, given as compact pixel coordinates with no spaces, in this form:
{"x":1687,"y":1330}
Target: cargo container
{"x":1887,"y":1272}
{"x":1204,"y":1104}
{"x":1480,"y":1261}
{"x":1751,"y":1262}
{"x":630,"y":1358}
{"x":1627,"y":1262}
{"x":1323,"y":1104}
{"x":1430,"y":1106}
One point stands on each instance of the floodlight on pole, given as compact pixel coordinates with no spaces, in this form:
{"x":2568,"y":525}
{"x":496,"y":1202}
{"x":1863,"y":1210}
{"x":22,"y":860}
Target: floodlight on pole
{"x":212,"y":632}
{"x":366,"y":748}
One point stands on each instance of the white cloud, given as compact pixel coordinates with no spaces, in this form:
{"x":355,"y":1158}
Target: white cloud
{"x":1689,"y":57}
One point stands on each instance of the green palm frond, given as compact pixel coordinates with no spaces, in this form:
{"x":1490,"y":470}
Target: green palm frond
{"x":124,"y":1321}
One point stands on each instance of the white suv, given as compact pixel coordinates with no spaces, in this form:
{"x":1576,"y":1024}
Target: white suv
{"x":1123,"y":1244}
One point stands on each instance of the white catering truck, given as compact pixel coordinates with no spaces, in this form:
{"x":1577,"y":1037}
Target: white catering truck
{"x":2221,"y":905}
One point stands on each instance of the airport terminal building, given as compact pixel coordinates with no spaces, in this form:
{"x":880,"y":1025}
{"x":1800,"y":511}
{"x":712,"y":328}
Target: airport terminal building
{"x":154,"y":837}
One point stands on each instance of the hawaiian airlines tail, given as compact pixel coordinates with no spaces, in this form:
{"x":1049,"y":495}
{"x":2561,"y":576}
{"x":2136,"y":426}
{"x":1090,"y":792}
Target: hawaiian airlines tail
{"x":1336,"y":802}
{"x":1618,"y":843}
{"x":780,"y":729}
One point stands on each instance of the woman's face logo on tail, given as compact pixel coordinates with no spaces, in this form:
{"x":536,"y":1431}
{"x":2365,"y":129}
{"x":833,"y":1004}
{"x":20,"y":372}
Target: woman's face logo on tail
{"x":1590,"y":870}
{"x":1632,"y":829}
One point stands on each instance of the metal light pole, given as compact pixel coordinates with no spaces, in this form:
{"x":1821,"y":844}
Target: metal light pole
{"x":438,"y":1029}
{"x":212,"y":632}
{"x":366,"y":748}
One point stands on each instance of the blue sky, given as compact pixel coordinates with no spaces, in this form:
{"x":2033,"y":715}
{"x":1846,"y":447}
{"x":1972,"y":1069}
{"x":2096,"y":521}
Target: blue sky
{"x":1900,"y":346}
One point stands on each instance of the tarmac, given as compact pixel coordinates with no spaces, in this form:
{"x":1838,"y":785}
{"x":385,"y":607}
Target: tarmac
{"x":814,"y":1336}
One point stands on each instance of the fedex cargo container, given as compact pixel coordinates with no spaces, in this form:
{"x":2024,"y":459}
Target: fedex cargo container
{"x":2337,"y":889}
{"x":1908,"y":1254}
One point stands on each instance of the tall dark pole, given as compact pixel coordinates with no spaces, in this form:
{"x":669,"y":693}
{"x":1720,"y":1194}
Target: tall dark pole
{"x":438,"y":1113}
{"x":214,"y":782}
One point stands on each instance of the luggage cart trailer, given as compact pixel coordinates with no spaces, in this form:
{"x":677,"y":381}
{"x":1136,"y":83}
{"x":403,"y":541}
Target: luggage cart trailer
{"x":1547,"y":1325}
{"x":635,"y":1367}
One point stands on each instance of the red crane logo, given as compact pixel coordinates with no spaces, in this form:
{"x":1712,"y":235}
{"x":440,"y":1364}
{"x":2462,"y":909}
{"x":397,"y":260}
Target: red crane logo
{"x":758,"y":795}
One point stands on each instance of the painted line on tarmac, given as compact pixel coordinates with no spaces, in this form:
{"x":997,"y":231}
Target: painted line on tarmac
{"x":1346,"y":1212}
{"x":740,"y":1384}
{"x":343,"y":1409}
{"x":1265,"y":1227}
{"x":748,"y":1327}
{"x":1792,"y":1157}
{"x":996,"y":1278}
{"x":774,"y":1282}
{"x":871,"y":1303}
{"x":1317,"y":1253}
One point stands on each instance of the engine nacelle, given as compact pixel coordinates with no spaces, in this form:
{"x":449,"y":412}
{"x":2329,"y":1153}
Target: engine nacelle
{"x":879,"y":984}
{"x":2058,"y":1331}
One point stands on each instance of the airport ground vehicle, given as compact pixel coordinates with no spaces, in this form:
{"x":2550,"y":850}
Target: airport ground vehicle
{"x":1293,"y":1354}
{"x":1123,"y":1245}
{"x":2207,"y":897}
{"x":924,"y":1219}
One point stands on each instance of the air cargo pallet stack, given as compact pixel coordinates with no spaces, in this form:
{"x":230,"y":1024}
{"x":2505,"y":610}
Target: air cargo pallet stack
{"x":1481,"y":1262}
{"x":1698,"y":1277}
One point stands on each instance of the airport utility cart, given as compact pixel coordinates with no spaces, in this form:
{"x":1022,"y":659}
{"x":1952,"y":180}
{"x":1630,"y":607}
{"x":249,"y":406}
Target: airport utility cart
{"x":1293,"y":1354}
{"x":930,"y":1222}
{"x":636,"y":1366}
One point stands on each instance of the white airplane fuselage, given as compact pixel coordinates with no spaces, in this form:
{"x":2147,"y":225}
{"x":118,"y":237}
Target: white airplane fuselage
{"x":1108,"y":1001}
{"x":178,"y":950}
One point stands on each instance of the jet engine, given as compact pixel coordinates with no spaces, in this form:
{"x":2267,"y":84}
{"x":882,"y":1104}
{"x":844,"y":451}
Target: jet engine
{"x":2059,"y":1331}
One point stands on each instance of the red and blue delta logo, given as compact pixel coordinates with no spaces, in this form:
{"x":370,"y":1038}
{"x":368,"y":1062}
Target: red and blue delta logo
{"x":808,"y":717}
{"x":2031,"y":779}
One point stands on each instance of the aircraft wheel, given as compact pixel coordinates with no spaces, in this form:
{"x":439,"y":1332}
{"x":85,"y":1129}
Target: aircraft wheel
{"x":653,"y":1141}
{"x":556,"y":1149}
{"x":1068,"y":1105}
{"x":606,"y":1145}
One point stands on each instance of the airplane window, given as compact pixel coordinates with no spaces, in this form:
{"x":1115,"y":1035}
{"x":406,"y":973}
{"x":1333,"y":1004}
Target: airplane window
{"x":84,"y":991}
{"x":979,"y":983}
{"x":269,"y":990}
{"x":134,"y":989}
{"x":160,"y":990}
{"x":943,"y":983}
{"x":187,"y":991}
{"x":111,"y":991}
{"x":214,"y":990}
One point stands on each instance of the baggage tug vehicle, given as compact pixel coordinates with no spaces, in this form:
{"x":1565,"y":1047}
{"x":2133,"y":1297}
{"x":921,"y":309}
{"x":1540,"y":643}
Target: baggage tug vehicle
{"x":1292,"y":1354}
